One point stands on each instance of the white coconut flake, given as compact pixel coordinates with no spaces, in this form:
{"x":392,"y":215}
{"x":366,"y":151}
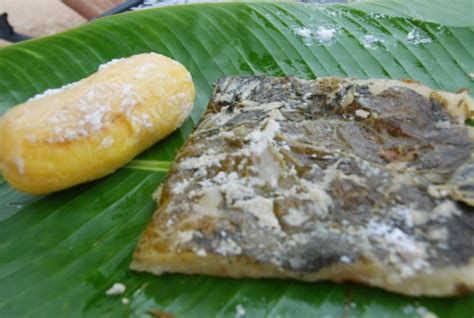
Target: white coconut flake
{"x":325,"y":34}
{"x":116,"y":289}
{"x":404,"y":213}
{"x":169,"y":223}
{"x":295,"y":217}
{"x":316,"y":193}
{"x":176,"y":98}
{"x":107,"y":142}
{"x":370,"y":41}
{"x":125,"y":301}
{"x":416,"y":37}
{"x":362,"y":113}
{"x":111,"y":62}
{"x":440,"y":234}
{"x":179,"y":187}
{"x":206,"y":160}
{"x":91,"y":112}
{"x":221,"y":177}
{"x":46,"y":93}
{"x":345,"y":259}
{"x":268,"y":168}
{"x":20,"y":165}
{"x":228,"y":247}
{"x":260,"y":139}
{"x":425,"y":313}
{"x":406,"y":253}
{"x":201,"y":252}
{"x":304,"y":32}
{"x":235,"y":189}
{"x":262,"y":209}
{"x":445,"y":209}
{"x":267,"y":133}
{"x":374,"y":15}
{"x":94,"y":118}
{"x":437,"y":192}
{"x":146,"y":120}
{"x":443,"y":124}
{"x":184,"y":236}
{"x":227,"y":134}
{"x":239,"y":311}
{"x":209,"y":202}
{"x":143,"y":70}
{"x":52,"y":91}
{"x":129,"y":97}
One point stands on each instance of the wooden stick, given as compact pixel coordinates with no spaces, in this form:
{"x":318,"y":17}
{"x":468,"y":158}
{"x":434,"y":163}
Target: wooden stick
{"x":90,"y":9}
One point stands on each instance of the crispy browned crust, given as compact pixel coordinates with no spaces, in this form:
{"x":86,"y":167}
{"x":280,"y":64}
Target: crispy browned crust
{"x":440,"y":282}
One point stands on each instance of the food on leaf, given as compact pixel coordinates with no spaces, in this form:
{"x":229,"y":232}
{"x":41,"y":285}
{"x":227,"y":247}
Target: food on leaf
{"x":90,"y":128}
{"x":332,"y":179}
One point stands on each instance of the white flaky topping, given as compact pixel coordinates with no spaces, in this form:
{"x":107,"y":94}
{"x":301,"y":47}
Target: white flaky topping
{"x":116,"y":289}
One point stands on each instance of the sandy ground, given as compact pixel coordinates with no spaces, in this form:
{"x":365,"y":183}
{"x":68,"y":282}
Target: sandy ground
{"x":39,"y":17}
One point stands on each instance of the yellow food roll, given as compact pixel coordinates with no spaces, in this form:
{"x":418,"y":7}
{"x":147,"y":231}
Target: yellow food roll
{"x":90,"y":128}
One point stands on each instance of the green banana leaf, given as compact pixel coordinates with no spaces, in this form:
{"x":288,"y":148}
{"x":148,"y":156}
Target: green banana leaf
{"x":59,"y":253}
{"x":452,"y":12}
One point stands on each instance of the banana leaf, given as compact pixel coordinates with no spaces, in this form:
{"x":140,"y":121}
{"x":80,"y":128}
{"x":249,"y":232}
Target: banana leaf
{"x":59,"y":253}
{"x":453,"y":13}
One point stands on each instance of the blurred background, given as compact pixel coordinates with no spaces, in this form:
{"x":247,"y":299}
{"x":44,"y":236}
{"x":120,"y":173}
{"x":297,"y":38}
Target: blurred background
{"x":39,"y":17}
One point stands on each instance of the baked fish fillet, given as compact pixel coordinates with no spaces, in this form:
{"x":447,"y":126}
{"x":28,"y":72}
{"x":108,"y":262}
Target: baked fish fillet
{"x":333,"y":179}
